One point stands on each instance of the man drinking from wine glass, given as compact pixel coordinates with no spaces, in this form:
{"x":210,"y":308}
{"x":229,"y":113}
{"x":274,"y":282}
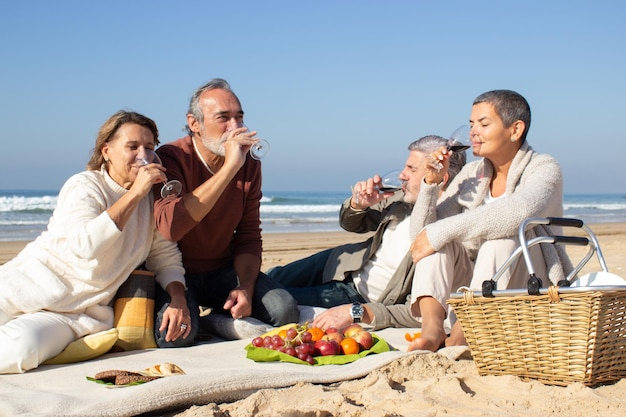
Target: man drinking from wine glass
{"x":216,"y":219}
{"x":369,"y":282}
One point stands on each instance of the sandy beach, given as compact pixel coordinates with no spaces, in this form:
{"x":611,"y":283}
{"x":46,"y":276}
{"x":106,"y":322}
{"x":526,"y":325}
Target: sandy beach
{"x":419,"y":385}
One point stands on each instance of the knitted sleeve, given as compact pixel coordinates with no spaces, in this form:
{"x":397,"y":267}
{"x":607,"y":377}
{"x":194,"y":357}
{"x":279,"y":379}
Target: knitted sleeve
{"x":537,"y":191}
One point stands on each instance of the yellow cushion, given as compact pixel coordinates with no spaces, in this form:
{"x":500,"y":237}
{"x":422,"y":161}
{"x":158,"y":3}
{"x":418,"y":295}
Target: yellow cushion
{"x":134,"y":312}
{"x":85,"y":348}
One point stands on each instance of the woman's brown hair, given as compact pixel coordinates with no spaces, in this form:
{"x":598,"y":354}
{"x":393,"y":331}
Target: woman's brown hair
{"x":109,"y":129}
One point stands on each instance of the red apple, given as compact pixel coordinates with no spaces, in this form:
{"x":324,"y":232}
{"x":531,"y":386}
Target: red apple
{"x":364,"y":339}
{"x":352,"y":329}
{"x":327,"y":347}
{"x":331,"y":330}
{"x":337,"y":337}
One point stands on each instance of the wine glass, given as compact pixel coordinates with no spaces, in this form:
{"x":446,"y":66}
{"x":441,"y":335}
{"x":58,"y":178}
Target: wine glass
{"x":172,"y":187}
{"x":458,"y":142}
{"x":260,"y":149}
{"x":459,"y":139}
{"x":391,"y":181}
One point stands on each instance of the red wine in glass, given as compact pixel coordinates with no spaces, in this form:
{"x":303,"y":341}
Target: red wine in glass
{"x":391,"y":182}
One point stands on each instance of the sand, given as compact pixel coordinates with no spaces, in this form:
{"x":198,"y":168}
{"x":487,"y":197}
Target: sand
{"x":419,"y":385}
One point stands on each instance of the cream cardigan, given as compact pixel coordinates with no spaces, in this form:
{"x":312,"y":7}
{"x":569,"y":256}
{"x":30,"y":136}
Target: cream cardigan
{"x":534,"y":188}
{"x":75,"y":267}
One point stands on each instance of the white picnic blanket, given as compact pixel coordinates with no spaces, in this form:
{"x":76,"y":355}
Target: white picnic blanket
{"x":216,"y":371}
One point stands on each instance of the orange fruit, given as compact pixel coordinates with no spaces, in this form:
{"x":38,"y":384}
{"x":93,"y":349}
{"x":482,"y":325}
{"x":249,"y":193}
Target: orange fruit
{"x":410,"y":338}
{"x":316,"y":333}
{"x":350,"y":346}
{"x":283,"y":333}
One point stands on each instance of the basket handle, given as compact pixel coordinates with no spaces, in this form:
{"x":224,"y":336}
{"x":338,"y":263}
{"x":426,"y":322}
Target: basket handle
{"x":534,"y":282}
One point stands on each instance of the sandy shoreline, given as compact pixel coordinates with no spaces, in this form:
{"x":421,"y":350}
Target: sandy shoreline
{"x":423,"y":384}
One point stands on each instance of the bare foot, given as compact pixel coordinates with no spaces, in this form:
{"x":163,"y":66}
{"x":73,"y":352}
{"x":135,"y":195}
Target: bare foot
{"x":433,"y":336}
{"x":432,"y":342}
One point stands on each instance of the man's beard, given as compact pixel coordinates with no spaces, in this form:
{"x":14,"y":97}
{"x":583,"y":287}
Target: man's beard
{"x":214,"y":145}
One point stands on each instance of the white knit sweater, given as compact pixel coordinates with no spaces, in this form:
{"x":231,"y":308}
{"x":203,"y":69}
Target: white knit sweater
{"x":75,"y":267}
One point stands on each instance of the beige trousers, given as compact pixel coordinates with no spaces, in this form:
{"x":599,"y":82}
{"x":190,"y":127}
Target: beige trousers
{"x":450,"y":268}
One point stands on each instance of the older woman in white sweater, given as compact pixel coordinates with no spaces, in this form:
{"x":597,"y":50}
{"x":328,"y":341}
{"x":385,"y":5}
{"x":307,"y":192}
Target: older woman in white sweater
{"x":468,"y":232}
{"x":59,"y":288}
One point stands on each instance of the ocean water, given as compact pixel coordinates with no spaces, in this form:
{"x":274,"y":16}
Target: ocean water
{"x":24,"y":214}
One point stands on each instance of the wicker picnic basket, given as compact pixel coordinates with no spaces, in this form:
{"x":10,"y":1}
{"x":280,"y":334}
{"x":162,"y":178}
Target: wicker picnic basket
{"x":556,"y":335}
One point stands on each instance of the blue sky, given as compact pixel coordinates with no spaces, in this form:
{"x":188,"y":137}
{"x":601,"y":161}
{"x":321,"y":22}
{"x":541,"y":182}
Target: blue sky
{"x":339,"y":88}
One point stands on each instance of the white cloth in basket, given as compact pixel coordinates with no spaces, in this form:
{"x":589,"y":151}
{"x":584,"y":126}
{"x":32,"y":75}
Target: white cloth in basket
{"x":595,"y":279}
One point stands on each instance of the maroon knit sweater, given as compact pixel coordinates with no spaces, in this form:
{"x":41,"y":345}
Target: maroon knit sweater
{"x":232,"y":227}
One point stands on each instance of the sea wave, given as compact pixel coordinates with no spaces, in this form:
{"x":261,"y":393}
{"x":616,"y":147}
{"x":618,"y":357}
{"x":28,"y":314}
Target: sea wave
{"x":594,"y":206}
{"x":297,"y":208}
{"x":19,"y":203}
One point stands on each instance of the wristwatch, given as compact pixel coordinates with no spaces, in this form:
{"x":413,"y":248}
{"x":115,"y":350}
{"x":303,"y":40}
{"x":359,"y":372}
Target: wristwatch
{"x":356,"y":311}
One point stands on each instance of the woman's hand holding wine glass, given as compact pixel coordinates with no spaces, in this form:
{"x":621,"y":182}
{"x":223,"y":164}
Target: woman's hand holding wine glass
{"x":459,"y":142}
{"x":147,"y":157}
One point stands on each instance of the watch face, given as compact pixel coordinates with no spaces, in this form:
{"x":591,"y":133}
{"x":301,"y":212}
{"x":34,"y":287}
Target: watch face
{"x":357,"y":311}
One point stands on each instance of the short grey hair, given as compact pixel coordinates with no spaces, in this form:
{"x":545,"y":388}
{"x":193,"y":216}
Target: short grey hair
{"x":510,"y":106}
{"x":429,"y":144}
{"x":194,"y":103}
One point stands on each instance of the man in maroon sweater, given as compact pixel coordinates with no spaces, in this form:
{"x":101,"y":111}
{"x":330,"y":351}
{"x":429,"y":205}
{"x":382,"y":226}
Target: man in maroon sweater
{"x":216,"y":218}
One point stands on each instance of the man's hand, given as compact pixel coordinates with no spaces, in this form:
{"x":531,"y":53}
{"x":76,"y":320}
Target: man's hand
{"x":366,"y":193}
{"x":239,"y":303}
{"x":421,"y":248}
{"x":337,"y":317}
{"x":237,"y":144}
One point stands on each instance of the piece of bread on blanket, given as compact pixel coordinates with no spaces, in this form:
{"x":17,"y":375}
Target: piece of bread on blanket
{"x":120,"y":377}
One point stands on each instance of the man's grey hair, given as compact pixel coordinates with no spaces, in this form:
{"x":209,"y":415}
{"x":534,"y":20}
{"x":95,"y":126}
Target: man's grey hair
{"x":429,"y":144}
{"x":194,"y":103}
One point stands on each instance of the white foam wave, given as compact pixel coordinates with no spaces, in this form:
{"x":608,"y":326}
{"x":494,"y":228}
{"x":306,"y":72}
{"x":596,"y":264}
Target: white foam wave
{"x":311,"y":208}
{"x":594,"y":206}
{"x":23,"y":222}
{"x":21,"y":203}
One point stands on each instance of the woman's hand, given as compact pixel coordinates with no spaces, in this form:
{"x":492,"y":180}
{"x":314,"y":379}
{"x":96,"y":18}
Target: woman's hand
{"x":147,"y":176}
{"x":421,"y":248}
{"x":436,"y":165}
{"x":176,"y":318}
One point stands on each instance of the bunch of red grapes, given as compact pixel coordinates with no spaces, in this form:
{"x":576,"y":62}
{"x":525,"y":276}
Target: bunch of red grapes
{"x":297,"y":342}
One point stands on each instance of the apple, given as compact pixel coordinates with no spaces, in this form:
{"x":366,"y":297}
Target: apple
{"x":364,"y":339}
{"x":337,"y":337}
{"x":352,"y":329}
{"x":331,"y":330}
{"x":327,"y":347}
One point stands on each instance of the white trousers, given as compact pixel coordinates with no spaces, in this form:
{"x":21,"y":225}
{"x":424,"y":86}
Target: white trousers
{"x":440,"y":274}
{"x":30,"y":339}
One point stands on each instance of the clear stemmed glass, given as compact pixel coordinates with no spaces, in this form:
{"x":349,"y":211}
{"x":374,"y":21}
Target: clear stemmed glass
{"x":172,"y":187}
{"x":458,"y":142}
{"x":260,"y":149}
{"x":391,"y":181}
{"x":459,"y":139}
